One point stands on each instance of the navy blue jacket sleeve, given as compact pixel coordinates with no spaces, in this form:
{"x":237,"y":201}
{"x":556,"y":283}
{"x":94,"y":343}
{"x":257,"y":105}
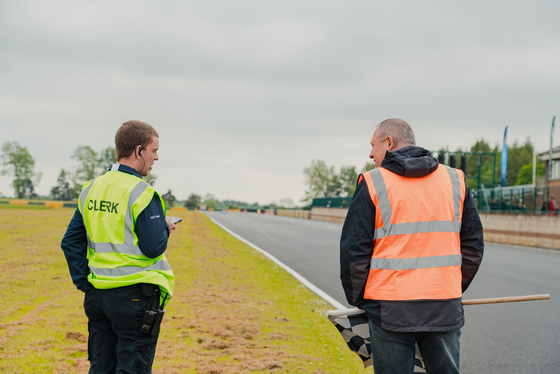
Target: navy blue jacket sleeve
{"x":356,"y":244}
{"x":74,"y":246}
{"x":152,"y":229}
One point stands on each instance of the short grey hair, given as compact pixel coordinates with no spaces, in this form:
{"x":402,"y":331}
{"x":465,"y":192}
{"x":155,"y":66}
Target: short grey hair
{"x":399,"y":130}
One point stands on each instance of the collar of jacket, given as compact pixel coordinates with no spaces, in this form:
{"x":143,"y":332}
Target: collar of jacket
{"x":126,"y":169}
{"x":412,"y":162}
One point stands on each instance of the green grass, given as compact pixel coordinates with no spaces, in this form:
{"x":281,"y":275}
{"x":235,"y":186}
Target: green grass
{"x":234,"y":311}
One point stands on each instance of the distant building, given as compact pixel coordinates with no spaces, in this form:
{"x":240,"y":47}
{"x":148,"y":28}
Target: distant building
{"x":555,"y":164}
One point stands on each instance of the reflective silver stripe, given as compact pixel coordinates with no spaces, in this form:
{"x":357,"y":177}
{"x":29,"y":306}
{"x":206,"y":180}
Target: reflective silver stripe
{"x":415,"y":263}
{"x":160,"y":265}
{"x":418,"y":227}
{"x":84,"y":194}
{"x":456,"y":185}
{"x":118,"y":248}
{"x":134,"y":195}
{"x":389,"y":229}
{"x":83,"y":199}
{"x":382,"y":196}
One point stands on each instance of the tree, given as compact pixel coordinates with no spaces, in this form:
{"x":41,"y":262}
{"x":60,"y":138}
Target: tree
{"x":348,"y":178}
{"x":18,"y":162}
{"x":525,"y":175}
{"x":368,"y":166}
{"x":193,"y":201}
{"x":62,"y":190}
{"x":324,"y":181}
{"x":87,"y":163}
{"x":519,"y":170}
{"x":321,"y":180}
{"x":169,"y":199}
{"x":286,"y":202}
{"x":85,"y":169}
{"x":107,"y":157}
{"x":518,"y":156}
{"x":210,"y":204}
{"x":150,"y":179}
{"x":27,"y":189}
{"x":489,"y":172}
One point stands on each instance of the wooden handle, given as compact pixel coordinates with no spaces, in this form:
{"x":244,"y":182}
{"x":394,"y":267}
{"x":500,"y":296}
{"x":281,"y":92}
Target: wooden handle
{"x":513,"y":299}
{"x":494,"y":300}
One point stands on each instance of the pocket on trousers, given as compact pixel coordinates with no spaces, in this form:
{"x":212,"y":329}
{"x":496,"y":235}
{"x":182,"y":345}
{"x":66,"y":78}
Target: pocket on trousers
{"x":128,"y":307}
{"x":88,"y":296}
{"x":144,"y":358}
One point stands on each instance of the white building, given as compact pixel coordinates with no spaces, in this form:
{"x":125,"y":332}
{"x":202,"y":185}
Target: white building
{"x":545,"y":156}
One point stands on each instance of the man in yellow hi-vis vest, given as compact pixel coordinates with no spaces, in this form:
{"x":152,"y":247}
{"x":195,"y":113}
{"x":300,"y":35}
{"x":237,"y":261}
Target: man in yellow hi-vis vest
{"x":114,"y":246}
{"x":410,"y":246}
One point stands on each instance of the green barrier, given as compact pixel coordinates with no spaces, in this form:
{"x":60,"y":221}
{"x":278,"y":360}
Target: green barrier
{"x":331,"y":202}
{"x":51,"y":204}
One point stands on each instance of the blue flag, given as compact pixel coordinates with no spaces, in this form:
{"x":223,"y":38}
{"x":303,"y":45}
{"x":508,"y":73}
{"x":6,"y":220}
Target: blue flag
{"x":504,"y":158}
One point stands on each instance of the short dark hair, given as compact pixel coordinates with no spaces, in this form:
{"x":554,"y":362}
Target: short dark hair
{"x":399,"y":130}
{"x":130,"y":135}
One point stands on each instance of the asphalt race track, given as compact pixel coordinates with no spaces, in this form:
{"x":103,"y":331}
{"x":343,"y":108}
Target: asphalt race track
{"x":522,"y":337}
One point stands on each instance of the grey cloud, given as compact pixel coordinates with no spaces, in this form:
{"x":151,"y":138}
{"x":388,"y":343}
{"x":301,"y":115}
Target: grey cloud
{"x":247,"y":87}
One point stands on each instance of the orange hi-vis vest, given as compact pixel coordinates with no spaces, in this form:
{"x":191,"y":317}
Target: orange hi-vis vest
{"x":417,"y":248}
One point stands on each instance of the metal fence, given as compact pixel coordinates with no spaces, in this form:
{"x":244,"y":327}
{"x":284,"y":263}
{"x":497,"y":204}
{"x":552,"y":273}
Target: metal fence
{"x":512,"y":199}
{"x":518,"y":199}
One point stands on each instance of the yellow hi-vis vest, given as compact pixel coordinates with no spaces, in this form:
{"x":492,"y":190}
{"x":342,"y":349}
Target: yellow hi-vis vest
{"x":417,"y":248}
{"x":110,"y":205}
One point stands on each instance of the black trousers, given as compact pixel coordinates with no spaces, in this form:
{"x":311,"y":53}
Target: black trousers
{"x":115,"y":344}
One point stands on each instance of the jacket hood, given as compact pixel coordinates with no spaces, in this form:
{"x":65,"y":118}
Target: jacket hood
{"x":412,"y":162}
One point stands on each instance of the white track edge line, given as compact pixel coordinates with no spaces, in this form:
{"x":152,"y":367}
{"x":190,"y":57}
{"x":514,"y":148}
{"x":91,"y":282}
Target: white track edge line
{"x":329,"y":299}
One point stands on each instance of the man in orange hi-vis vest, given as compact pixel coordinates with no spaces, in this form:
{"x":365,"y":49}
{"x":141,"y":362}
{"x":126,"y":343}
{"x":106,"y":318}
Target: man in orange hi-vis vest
{"x":410,"y":246}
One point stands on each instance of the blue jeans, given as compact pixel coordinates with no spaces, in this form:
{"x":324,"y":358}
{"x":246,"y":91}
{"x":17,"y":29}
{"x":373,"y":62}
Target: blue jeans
{"x":393,"y":352}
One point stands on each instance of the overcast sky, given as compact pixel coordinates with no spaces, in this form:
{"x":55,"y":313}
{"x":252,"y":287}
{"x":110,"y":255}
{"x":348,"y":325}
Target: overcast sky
{"x":246,"y":94}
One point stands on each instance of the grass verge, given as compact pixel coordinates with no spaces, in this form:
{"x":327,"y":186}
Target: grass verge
{"x":234,"y":311}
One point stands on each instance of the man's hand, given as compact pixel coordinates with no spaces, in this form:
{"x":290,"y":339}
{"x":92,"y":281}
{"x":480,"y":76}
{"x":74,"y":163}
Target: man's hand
{"x":171,"y":225}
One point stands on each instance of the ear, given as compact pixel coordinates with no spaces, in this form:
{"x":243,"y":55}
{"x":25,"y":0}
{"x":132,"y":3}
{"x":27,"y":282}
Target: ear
{"x":390,"y":143}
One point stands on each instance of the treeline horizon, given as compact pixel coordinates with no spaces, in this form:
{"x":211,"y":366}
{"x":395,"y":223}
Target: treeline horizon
{"x":322,"y":180}
{"x":483,"y":169}
{"x":18,"y":163}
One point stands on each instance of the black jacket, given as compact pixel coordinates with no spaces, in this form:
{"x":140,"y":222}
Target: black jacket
{"x":357,"y":246}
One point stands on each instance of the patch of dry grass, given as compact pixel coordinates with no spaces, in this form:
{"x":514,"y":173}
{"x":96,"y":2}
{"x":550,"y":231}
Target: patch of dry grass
{"x":233,"y":310}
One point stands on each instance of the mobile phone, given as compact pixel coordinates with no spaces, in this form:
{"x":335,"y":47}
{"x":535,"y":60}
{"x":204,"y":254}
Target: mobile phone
{"x":175,"y":220}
